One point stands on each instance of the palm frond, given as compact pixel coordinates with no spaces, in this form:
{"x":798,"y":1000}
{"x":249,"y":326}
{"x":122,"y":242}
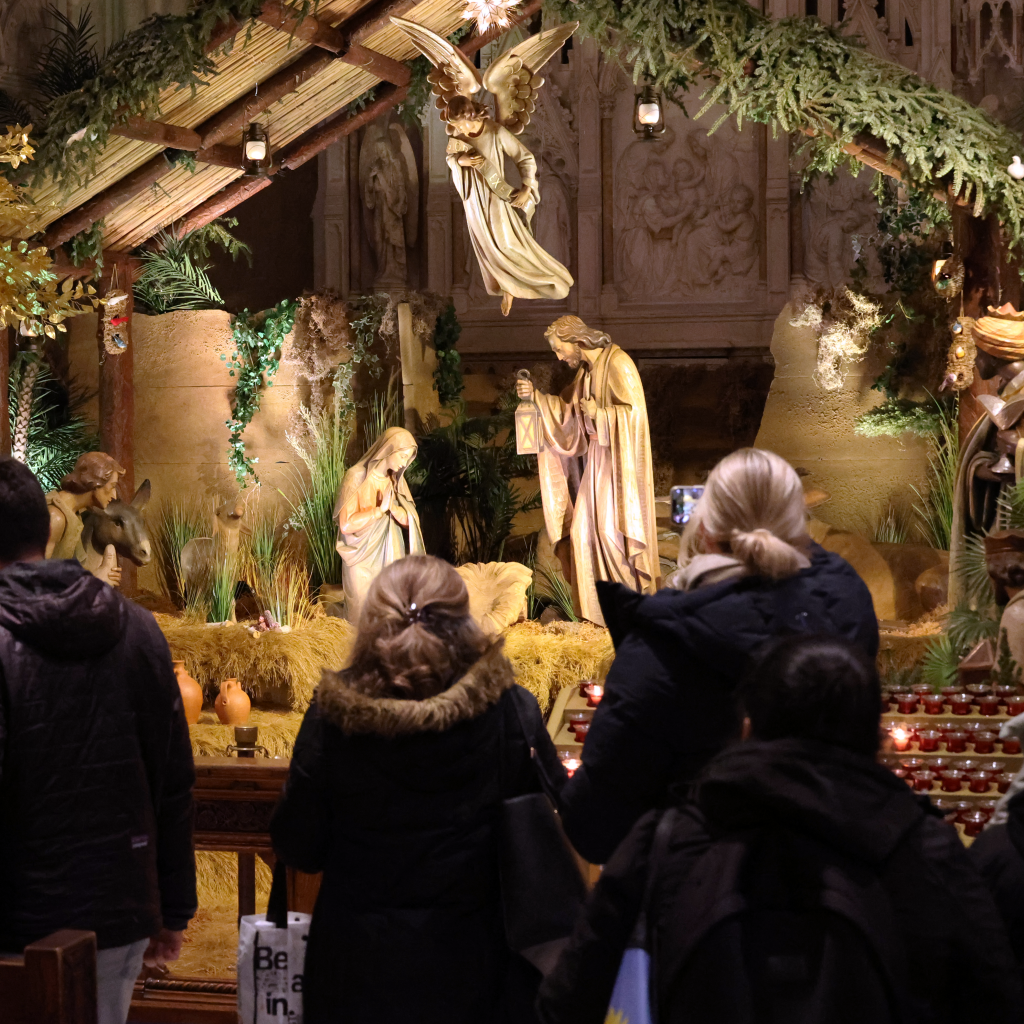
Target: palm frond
{"x":966,"y":626}
{"x":171,"y":280}
{"x":554,"y":586}
{"x":939,"y":664}
{"x":196,"y":244}
{"x":935,"y":510}
{"x":70,"y":59}
{"x":12,"y":110}
{"x":973,"y":570}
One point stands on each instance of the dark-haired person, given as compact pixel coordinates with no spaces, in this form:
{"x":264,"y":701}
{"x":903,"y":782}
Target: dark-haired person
{"x":394,"y":793}
{"x":95,"y":761}
{"x":748,"y":573}
{"x":803,"y":882}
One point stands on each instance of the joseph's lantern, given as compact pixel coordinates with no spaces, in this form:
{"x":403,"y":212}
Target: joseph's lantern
{"x":527,"y":424}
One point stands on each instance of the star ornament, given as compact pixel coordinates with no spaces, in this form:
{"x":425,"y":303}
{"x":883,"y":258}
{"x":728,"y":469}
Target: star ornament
{"x":489,"y":13}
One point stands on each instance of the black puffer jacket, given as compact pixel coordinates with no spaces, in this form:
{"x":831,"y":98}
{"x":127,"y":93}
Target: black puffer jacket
{"x":396,"y":802}
{"x":95,"y":764}
{"x":668,"y":705}
{"x":958,"y":966}
{"x":998,"y":853}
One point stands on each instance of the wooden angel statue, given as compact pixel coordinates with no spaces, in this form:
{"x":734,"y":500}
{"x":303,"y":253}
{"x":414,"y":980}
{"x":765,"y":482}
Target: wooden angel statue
{"x":513,"y":265}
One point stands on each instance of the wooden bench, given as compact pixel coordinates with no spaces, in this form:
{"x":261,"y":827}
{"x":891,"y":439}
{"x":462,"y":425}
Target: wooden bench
{"x":52,"y":982}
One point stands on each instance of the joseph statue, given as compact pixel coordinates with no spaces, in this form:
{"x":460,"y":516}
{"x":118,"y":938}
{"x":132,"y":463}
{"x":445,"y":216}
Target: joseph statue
{"x":596,"y":479}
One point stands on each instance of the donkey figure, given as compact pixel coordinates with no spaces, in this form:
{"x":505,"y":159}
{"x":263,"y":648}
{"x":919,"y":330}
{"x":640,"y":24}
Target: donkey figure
{"x":119,"y":528}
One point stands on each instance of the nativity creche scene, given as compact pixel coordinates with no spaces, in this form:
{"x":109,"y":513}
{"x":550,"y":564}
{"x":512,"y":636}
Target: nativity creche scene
{"x":307,"y":303}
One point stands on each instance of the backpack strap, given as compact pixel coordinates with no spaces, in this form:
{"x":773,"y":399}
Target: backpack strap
{"x":641,"y":937}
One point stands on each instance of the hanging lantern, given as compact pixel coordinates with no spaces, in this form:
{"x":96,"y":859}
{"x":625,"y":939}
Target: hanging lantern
{"x":648,"y":117}
{"x":256,"y":149}
{"x":527,"y":424}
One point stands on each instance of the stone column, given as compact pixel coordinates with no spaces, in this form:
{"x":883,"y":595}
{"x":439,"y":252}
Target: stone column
{"x":439,"y":206}
{"x":777,"y":219}
{"x":589,"y":198}
{"x":330,"y":221}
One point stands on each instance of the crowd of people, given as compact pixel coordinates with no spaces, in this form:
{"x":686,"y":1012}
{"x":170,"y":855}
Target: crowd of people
{"x":751,"y":843}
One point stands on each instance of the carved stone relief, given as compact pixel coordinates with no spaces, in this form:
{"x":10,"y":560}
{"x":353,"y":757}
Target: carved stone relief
{"x":840,"y":217}
{"x":687,"y":218}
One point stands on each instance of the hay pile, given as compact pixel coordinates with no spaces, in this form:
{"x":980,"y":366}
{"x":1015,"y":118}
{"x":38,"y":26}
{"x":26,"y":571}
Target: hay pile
{"x":279,"y":669}
{"x":548,"y":658}
{"x":210,"y":949}
{"x":278,"y":730}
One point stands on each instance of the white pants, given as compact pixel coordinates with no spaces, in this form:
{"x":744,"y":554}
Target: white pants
{"x":116,"y":971}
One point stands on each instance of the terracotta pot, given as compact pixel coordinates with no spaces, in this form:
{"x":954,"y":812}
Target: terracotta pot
{"x":191,"y":693}
{"x":232,"y":704}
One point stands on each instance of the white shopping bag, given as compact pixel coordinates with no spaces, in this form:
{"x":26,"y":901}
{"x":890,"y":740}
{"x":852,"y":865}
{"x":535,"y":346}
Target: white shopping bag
{"x":270,"y":965}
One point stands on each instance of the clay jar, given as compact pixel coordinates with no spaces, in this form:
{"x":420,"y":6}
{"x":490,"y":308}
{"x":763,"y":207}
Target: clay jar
{"x":191,"y":693}
{"x":232,"y":704}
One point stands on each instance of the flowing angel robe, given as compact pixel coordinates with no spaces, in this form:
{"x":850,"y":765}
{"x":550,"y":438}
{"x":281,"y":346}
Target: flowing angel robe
{"x":607,"y":509}
{"x":379,"y":542}
{"x":510,"y":259}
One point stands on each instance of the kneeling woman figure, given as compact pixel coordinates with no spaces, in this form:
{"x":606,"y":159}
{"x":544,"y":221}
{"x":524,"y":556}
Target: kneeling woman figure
{"x":394,"y":793}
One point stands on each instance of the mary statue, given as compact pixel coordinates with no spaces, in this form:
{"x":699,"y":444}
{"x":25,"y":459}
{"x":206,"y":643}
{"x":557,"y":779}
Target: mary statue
{"x":375,"y":511}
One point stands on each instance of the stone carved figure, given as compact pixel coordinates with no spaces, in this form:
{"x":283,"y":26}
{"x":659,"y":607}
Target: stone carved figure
{"x":91,"y":484}
{"x":499,"y":216}
{"x":554,"y":223}
{"x":685,"y":221}
{"x":596,"y":478}
{"x":377,"y":519}
{"x":389,"y":186}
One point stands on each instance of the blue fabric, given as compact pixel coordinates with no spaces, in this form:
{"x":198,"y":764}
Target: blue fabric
{"x":631,"y":997}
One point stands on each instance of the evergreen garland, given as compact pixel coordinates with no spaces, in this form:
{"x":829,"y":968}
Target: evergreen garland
{"x":448,"y":373}
{"x":258,"y":339}
{"x":808,"y":79}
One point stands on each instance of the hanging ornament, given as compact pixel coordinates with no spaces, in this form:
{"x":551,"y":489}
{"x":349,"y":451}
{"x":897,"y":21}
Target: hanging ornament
{"x":1016,"y":169}
{"x":948,"y":273}
{"x":488,"y":13}
{"x":961,"y":355}
{"x":116,"y":321}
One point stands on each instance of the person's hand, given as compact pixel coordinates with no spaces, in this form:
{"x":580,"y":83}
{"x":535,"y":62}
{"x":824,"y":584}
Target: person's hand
{"x":524,"y":389}
{"x":589,"y":407}
{"x":109,"y":571}
{"x":400,"y":516}
{"x":521,"y":198}
{"x":471,"y":160}
{"x":378,"y":512}
{"x":164,"y":947}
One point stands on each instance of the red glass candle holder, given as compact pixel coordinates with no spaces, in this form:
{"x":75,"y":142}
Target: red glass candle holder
{"x":993,"y":767}
{"x":580,"y":730}
{"x":987,"y":806}
{"x":1015,"y":705}
{"x":960,"y":703}
{"x":886,"y":701}
{"x":1011,"y":745}
{"x":901,"y":737}
{"x":583,"y":685}
{"x":906,"y":703}
{"x":953,"y":780}
{"x":979,"y":782}
{"x":974,"y":822}
{"x":988,"y":704}
{"x":900,"y":773}
{"x":1004,"y":780}
{"x":934,"y":703}
{"x":946,"y":691}
{"x":594,"y":694}
{"x":924,"y":780}
{"x":1004,"y":692}
{"x":967,"y":764}
{"x":928,"y":739}
{"x":984,"y":742}
{"x":956,"y":741}
{"x":912,"y":764}
{"x":977,"y":690}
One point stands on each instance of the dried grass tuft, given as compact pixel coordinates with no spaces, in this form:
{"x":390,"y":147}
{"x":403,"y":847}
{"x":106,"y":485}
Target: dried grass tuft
{"x":280,"y":669}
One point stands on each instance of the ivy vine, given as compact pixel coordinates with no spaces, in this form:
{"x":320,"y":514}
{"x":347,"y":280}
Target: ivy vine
{"x":86,"y":245}
{"x":258,"y":338}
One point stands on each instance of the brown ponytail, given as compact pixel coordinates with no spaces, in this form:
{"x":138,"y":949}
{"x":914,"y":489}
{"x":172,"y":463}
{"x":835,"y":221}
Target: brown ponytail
{"x":415,"y":636}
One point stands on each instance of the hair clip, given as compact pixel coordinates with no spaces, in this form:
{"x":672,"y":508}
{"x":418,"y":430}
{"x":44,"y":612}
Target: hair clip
{"x":413,"y":614}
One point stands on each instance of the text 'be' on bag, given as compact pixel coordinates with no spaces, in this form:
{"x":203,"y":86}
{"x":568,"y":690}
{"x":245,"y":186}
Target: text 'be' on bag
{"x":271,"y":960}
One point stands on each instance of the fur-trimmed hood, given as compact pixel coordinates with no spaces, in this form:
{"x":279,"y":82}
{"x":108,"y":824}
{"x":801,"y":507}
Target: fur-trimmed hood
{"x":469,"y":697}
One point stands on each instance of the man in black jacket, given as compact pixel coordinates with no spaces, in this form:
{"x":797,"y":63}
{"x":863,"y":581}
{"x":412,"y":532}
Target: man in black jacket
{"x":779,"y":828}
{"x":96,"y":765}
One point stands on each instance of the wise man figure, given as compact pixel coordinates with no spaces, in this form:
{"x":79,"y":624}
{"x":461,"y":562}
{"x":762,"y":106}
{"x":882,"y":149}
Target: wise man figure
{"x":596,"y":479}
{"x":91,"y":484}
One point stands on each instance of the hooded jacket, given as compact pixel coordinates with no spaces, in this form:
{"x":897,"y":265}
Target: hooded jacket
{"x":958,"y":964}
{"x":668,"y":702}
{"x":95,"y":764}
{"x":998,"y":854}
{"x":397,"y":803}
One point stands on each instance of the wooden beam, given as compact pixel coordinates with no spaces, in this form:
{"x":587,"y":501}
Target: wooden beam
{"x":309,"y":30}
{"x":234,"y":117}
{"x":222,"y":155}
{"x":159,"y":133}
{"x":373,"y":17}
{"x":221,"y":202}
{"x":222,"y":32}
{"x":106,"y":201}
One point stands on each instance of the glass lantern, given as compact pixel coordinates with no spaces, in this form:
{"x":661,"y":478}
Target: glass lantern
{"x":255,"y":149}
{"x":648,"y":116}
{"x":527,"y":424}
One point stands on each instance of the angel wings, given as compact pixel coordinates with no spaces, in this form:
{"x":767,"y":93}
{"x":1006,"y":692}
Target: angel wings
{"x":511,"y":261}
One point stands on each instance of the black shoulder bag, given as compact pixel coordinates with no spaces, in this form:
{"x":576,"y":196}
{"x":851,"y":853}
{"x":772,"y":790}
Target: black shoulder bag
{"x":542,"y":888}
